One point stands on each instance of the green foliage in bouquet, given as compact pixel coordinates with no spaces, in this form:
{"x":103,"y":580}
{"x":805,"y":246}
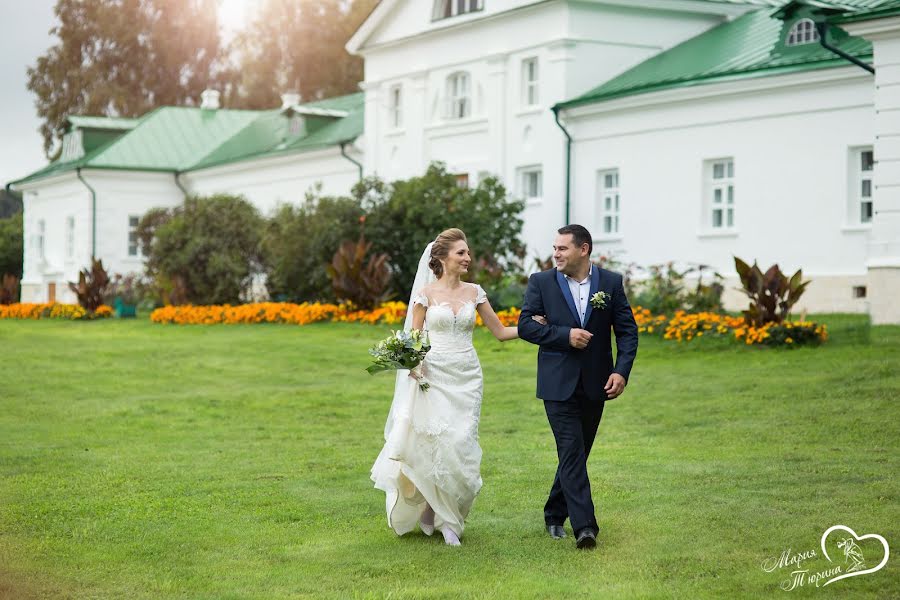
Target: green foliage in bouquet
{"x":354,"y":279}
{"x":772,"y":294}
{"x":91,"y":286}
{"x":400,"y":350}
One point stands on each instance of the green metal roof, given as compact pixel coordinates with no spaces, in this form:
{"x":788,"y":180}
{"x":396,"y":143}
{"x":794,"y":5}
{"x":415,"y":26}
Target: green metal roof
{"x":177,"y":139}
{"x":892,"y":9}
{"x":751,"y":45}
{"x":110,"y":123}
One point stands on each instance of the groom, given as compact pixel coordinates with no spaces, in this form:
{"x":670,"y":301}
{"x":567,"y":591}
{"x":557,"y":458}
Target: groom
{"x":575,"y":374}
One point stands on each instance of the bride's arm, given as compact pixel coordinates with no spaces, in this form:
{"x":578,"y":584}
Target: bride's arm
{"x":492,"y":322}
{"x":418,"y":320}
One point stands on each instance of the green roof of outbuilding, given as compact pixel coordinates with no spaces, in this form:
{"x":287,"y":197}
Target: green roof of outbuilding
{"x":178,"y":139}
{"x":108,"y":123}
{"x":751,"y":45}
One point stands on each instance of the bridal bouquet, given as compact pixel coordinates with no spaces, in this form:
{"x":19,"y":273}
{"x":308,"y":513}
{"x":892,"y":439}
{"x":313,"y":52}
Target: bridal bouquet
{"x":400,"y":350}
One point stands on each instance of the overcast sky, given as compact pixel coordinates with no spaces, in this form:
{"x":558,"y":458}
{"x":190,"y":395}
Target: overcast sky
{"x":25,"y":36}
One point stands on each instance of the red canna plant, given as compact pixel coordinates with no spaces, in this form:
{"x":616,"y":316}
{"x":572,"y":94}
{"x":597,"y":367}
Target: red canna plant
{"x":91,"y":286}
{"x":771,"y":293}
{"x":364,"y":283}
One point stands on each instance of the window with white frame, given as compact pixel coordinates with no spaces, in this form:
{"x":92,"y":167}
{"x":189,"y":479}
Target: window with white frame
{"x":462,"y":180}
{"x":134,"y":248}
{"x":444,"y":9}
{"x":530,"y":91}
{"x":862,"y":161}
{"x":395,"y":106}
{"x":459,"y":101}
{"x":720,"y":193}
{"x":531,"y":183}
{"x":70,"y":236}
{"x":803,"y":32}
{"x":608,"y":200}
{"x":41,"y":234}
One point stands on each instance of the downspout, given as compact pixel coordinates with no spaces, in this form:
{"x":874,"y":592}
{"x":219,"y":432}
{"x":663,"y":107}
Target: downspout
{"x":355,"y":162}
{"x":568,"y":159}
{"x":822,"y":29}
{"x":93,"y":213}
{"x":180,"y":185}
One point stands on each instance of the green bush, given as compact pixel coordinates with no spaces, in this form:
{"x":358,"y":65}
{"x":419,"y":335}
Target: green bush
{"x":11,"y":246}
{"x":299,"y":243}
{"x":403,"y":216}
{"x":205,"y":251}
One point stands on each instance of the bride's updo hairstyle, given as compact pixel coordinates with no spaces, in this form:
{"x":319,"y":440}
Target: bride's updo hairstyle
{"x":441,"y":249}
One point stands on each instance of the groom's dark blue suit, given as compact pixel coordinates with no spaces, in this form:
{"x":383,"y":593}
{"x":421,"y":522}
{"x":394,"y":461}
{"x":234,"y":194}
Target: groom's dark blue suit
{"x":571,"y":380}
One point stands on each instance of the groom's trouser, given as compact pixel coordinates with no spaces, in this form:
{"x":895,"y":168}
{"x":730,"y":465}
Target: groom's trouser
{"x":574,"y":423}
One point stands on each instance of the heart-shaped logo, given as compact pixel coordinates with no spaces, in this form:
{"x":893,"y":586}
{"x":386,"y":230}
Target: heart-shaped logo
{"x":853,"y":554}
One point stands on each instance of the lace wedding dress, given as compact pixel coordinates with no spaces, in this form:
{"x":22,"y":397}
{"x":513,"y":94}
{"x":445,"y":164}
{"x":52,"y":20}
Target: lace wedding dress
{"x":431,"y":452}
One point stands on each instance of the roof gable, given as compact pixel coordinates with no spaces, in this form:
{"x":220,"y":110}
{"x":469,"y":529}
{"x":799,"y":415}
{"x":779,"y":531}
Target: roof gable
{"x":750,"y":46}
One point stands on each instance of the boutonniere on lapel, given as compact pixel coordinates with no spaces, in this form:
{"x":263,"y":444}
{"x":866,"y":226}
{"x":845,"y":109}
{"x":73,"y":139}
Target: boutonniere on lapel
{"x":599,"y":299}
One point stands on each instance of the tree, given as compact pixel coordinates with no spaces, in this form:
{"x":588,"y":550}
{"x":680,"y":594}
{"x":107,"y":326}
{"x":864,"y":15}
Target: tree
{"x":300,"y":242}
{"x":11,"y":246}
{"x":402,"y":217}
{"x":124,"y":58}
{"x":205,"y":251}
{"x":298,"y":45}
{"x":10,"y":203}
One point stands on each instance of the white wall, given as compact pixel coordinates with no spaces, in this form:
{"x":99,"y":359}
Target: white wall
{"x":119,"y":195}
{"x":279,"y":180}
{"x":790,"y":138}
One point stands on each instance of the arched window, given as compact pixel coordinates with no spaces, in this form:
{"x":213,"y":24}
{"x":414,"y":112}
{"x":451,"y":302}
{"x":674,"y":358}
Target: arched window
{"x":803,"y":32}
{"x":444,"y":9}
{"x":459,"y":96}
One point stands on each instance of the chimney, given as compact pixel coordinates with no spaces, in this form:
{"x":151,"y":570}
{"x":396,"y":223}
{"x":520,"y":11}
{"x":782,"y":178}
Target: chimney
{"x":289,"y":98}
{"x":209,"y":99}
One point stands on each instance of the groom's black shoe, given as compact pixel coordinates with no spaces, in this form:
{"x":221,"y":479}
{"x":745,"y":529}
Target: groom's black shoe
{"x":556,"y":531}
{"x":587,"y":540}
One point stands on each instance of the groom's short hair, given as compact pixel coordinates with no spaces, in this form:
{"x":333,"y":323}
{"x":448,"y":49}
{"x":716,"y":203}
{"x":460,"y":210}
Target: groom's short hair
{"x":580,"y":236}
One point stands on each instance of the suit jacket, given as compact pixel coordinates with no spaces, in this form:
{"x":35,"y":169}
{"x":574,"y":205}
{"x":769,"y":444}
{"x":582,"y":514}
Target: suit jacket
{"x":559,"y":364}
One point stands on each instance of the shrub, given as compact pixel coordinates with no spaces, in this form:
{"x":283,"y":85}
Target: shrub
{"x":11,"y":246}
{"x":205,"y":251}
{"x":91,"y":287}
{"x":300,"y":242}
{"x":772,"y":294}
{"x":404,"y":216}
{"x":663,"y":291}
{"x":355,"y":280}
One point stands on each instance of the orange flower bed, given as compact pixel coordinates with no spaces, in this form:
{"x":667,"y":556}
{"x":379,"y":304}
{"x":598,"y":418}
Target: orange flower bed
{"x":52,"y":310}
{"x":389,"y":313}
{"x":682,"y":327}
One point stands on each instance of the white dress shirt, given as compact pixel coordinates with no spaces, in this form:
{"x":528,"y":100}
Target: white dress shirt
{"x":580,"y":292}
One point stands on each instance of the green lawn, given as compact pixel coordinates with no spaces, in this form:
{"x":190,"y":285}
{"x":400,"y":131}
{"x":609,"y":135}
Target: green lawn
{"x":154,"y":461}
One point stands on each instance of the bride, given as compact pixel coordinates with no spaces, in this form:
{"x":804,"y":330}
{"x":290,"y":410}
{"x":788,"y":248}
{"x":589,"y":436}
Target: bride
{"x":430,"y":464}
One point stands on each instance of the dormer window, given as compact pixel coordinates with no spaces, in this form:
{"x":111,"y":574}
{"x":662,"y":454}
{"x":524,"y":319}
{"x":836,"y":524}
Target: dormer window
{"x":803,"y":32}
{"x":459,"y":101}
{"x":444,"y":9}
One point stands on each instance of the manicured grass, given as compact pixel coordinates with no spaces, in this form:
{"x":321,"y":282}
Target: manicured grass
{"x":153,"y":461}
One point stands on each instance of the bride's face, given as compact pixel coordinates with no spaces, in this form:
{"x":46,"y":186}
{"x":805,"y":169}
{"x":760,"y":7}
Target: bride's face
{"x":458,"y":259}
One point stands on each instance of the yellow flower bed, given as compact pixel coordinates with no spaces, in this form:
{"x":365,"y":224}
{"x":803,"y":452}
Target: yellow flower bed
{"x":389,"y":313}
{"x":52,"y":310}
{"x":684,"y":327}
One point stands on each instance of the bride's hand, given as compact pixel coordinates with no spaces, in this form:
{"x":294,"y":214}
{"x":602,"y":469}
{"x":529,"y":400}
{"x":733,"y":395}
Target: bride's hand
{"x":540,"y":319}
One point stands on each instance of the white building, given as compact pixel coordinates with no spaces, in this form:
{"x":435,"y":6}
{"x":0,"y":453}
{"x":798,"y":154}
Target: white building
{"x":701,"y":129}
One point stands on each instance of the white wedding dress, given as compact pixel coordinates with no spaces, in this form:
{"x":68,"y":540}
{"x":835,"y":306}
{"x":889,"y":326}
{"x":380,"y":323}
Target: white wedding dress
{"x":431,"y":452}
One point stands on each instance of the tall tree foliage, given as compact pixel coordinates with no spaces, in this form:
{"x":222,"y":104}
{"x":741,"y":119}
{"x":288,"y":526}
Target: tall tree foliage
{"x":298,"y":45}
{"x":123,"y":58}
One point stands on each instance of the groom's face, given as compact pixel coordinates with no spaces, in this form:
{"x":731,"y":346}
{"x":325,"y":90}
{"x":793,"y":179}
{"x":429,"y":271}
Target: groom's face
{"x":569,"y":258}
